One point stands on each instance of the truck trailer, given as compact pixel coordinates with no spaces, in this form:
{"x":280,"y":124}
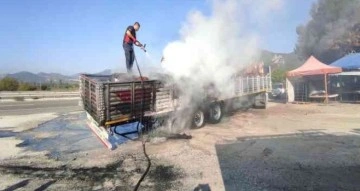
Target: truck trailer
{"x":110,"y":102}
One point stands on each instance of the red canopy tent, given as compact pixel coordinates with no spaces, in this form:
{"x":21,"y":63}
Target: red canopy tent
{"x":314,"y":67}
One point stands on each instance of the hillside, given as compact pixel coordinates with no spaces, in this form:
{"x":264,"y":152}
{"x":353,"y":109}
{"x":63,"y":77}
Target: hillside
{"x":280,"y":63}
{"x":40,"y":77}
{"x":54,"y":77}
{"x":105,"y":72}
{"x":27,"y":77}
{"x":43,"y":77}
{"x":283,"y":61}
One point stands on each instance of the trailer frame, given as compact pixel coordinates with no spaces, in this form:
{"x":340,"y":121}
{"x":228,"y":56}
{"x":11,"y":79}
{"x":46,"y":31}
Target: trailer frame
{"x":111,"y":104}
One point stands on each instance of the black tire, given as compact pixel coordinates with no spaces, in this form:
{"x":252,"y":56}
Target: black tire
{"x":215,"y":113}
{"x":198,"y":118}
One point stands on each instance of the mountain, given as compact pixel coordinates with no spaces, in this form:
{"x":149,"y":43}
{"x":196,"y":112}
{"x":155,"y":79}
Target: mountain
{"x":75,"y":76}
{"x":55,"y":77}
{"x":104,"y":72}
{"x":27,"y":77}
{"x":284,"y":61}
{"x":41,"y":77}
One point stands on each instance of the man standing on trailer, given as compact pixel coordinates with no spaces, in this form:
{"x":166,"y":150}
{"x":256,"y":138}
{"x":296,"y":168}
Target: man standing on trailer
{"x":129,"y":40}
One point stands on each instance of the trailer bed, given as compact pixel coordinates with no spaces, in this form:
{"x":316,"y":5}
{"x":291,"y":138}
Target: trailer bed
{"x":112,"y":103}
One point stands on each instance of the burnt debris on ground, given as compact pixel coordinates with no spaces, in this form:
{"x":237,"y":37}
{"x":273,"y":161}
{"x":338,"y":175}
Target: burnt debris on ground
{"x":161,"y":177}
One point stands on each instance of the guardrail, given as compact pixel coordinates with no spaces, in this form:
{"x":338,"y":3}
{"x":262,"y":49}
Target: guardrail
{"x":36,"y":94}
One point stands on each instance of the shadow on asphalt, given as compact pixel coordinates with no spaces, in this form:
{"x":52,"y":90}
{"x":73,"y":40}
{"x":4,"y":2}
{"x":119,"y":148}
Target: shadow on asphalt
{"x":301,"y":161}
{"x":356,"y":131}
{"x":278,"y":100}
{"x":202,"y":187}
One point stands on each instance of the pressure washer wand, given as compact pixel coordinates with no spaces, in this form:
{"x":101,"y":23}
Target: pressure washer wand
{"x":143,"y":47}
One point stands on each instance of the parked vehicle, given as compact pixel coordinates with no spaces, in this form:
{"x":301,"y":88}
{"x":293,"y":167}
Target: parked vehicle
{"x":109,"y":103}
{"x":278,"y":91}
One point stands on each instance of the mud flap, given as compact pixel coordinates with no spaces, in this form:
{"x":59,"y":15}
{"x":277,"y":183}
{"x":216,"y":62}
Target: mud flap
{"x":101,"y":133}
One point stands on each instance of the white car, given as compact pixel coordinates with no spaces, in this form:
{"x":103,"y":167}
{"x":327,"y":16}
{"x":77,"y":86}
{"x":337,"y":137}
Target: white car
{"x":278,"y":90}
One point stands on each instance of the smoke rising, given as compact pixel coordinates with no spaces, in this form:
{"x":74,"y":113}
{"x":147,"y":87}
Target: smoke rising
{"x":212,"y":49}
{"x":332,"y":31}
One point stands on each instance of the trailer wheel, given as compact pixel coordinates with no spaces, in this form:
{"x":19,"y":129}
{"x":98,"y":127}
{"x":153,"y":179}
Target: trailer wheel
{"x":198,"y":119}
{"x":215,"y":113}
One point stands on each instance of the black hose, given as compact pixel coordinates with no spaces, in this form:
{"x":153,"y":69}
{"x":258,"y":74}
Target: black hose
{"x":147,"y":168}
{"x":140,"y":122}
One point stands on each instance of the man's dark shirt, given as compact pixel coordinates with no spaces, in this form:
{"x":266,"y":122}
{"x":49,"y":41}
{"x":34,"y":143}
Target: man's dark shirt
{"x":127,"y":39}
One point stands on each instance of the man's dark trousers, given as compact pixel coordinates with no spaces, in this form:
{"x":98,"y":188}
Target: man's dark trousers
{"x":129,"y":55}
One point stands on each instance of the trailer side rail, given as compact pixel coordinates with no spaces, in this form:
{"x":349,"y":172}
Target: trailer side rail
{"x":252,"y":85}
{"x":111,"y":103}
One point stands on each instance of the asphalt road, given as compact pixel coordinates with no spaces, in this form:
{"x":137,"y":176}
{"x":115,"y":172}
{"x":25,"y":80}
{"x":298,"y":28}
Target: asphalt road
{"x":306,"y":161}
{"x":32,"y":107}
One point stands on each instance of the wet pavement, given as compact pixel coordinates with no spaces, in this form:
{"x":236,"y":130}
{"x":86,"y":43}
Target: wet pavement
{"x":64,"y":136}
{"x":68,"y":141}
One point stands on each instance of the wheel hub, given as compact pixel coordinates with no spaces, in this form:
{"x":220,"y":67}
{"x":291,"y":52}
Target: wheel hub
{"x":198,"y":117}
{"x":215,"y":112}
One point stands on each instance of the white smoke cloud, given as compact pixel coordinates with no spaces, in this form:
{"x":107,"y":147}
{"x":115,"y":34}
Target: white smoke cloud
{"x":211,"y":49}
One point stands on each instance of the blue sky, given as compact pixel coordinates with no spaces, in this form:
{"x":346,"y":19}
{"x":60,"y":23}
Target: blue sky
{"x":86,"y":35}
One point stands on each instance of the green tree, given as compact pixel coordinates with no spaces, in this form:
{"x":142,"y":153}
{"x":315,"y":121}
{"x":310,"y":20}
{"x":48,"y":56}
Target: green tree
{"x":332,"y":32}
{"x":9,"y":84}
{"x":45,"y":87}
{"x":278,"y":75}
{"x":26,"y":87}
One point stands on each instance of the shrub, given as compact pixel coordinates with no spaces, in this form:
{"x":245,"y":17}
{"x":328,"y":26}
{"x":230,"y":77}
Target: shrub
{"x":9,"y":84}
{"x":278,"y":75}
{"x":26,"y":87}
{"x":45,"y":87}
